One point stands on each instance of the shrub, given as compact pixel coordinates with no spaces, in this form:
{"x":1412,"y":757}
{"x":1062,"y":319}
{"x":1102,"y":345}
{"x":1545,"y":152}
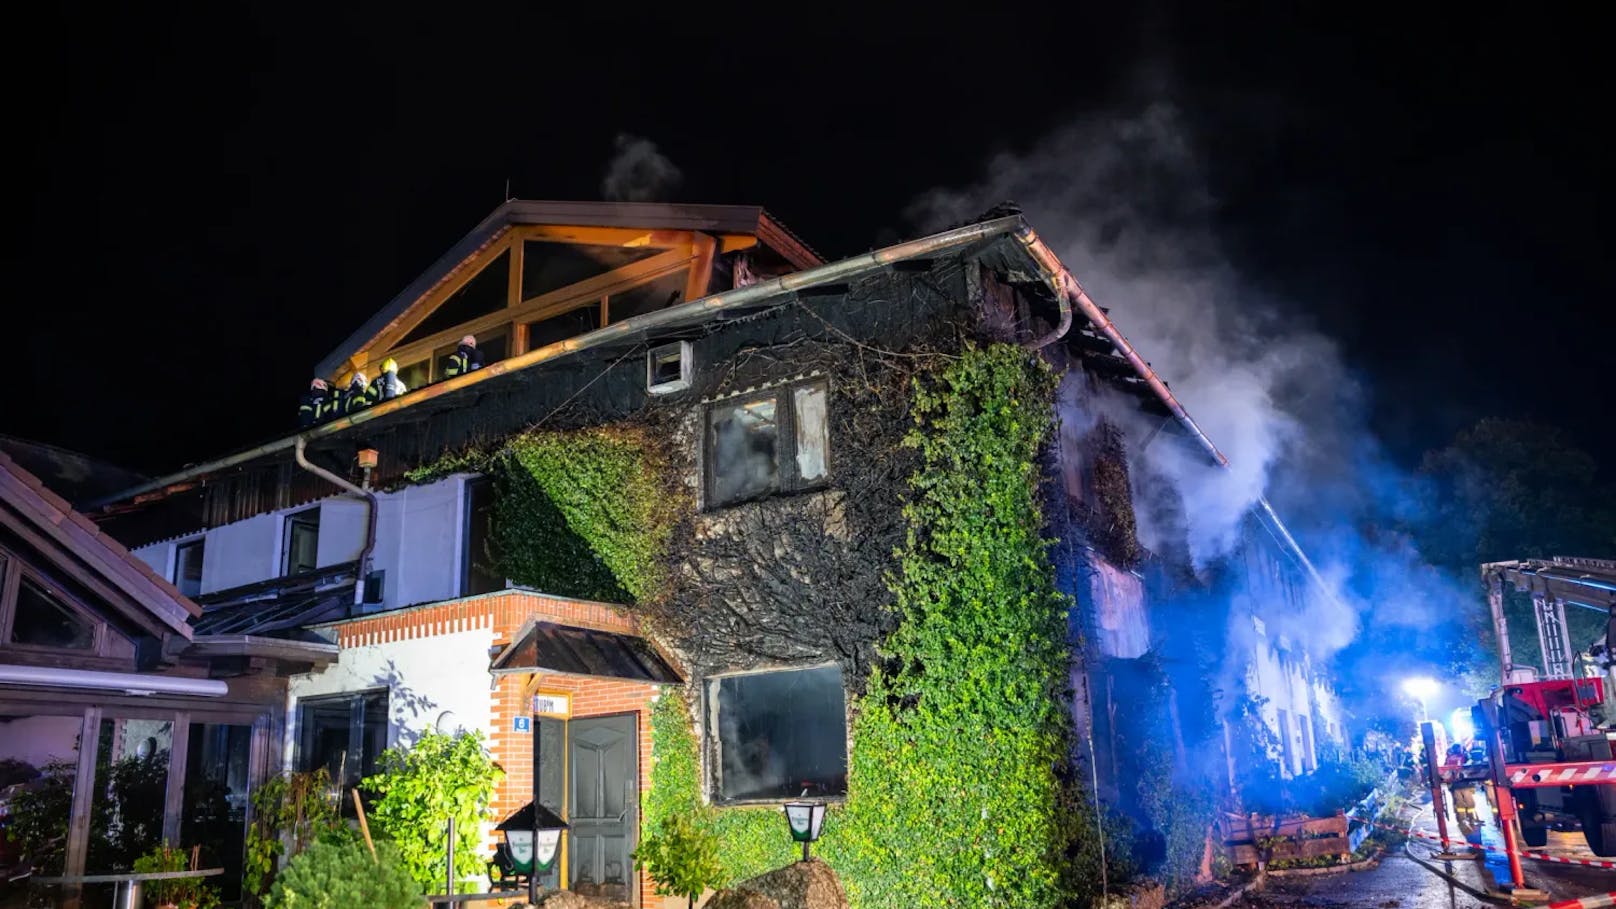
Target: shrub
{"x":193,"y":893}
{"x":295,"y":809}
{"x":420,"y":788}
{"x":341,"y":874}
{"x":682,"y":855}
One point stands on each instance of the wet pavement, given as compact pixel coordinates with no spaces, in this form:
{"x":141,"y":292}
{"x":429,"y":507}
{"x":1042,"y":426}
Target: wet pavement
{"x":1402,"y":882}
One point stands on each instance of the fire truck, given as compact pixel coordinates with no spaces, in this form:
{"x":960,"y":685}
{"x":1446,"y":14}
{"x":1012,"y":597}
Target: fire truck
{"x":1552,"y":742}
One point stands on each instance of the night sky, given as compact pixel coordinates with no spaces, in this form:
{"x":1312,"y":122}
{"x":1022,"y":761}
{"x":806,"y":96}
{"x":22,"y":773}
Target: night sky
{"x":204,"y":203}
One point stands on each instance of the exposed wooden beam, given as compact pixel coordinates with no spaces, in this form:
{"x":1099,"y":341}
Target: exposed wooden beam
{"x":605,"y":236}
{"x":702,"y":248}
{"x":429,"y":301}
{"x":545,"y":305}
{"x":174,"y":802}
{"x":729,"y":243}
{"x":513,"y":286}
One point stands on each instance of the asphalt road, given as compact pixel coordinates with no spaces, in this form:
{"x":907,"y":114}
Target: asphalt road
{"x":1401,"y":882}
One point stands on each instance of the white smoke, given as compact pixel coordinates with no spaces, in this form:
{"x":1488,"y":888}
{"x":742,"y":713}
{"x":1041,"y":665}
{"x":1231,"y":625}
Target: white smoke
{"x":1123,"y":201}
{"x":639,"y":172}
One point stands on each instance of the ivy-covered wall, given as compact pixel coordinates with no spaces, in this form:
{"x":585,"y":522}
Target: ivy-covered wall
{"x":959,"y":787}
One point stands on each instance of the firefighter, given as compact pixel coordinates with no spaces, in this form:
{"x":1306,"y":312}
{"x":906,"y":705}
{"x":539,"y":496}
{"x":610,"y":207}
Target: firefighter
{"x":1461,"y":792}
{"x":388,"y":385}
{"x":357,"y":395}
{"x":464,"y":359}
{"x":314,"y":405}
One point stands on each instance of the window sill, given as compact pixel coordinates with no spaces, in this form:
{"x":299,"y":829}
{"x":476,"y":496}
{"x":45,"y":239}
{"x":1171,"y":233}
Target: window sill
{"x":774,"y":494}
{"x":778,"y":803}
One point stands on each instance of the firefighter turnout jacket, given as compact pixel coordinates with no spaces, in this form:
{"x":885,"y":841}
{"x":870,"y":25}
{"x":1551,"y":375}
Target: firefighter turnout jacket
{"x":463,"y":360}
{"x":386,"y":386}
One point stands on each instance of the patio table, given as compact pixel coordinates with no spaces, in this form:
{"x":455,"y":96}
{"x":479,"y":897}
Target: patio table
{"x":126,"y":885}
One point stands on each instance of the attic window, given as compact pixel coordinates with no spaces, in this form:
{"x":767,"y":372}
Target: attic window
{"x":668,"y":368}
{"x":43,"y":621}
{"x":767,"y":442}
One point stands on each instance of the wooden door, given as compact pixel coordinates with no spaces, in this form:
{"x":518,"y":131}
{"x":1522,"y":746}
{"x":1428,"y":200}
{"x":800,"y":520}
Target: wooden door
{"x":604,"y":771}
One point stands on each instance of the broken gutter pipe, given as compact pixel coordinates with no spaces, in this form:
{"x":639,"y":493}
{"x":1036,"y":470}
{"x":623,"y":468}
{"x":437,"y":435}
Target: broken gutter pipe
{"x":1061,"y":282}
{"x":370,"y":512}
{"x":831,"y":273}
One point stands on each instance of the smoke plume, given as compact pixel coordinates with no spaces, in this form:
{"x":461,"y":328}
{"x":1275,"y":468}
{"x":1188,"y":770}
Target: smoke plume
{"x":1124,"y":200}
{"x":639,"y":172}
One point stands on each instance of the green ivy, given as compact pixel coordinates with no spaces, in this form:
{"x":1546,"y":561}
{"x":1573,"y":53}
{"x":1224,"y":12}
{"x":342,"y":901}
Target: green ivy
{"x":586,"y":513}
{"x":420,"y":788}
{"x":958,"y":794}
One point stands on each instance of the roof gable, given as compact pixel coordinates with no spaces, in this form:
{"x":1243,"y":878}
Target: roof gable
{"x":531,"y":261}
{"x":75,"y":545}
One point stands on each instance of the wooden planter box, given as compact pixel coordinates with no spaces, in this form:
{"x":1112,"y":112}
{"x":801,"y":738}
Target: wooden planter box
{"x":1301,"y":837}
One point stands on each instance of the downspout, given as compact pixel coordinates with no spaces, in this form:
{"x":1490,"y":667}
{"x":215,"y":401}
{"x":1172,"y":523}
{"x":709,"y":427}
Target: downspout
{"x":1068,"y":288}
{"x":370,"y":512}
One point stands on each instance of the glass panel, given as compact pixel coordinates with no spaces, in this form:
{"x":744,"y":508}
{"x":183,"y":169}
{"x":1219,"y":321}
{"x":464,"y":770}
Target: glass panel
{"x":38,"y":763}
{"x":126,"y":817}
{"x":567,"y":325}
{"x":813,"y":436}
{"x":188,"y":568}
{"x":780,"y":733}
{"x":659,"y":294}
{"x":480,"y":296}
{"x":480,"y":575}
{"x":215,"y":815}
{"x":302,"y":541}
{"x":43,"y":622}
{"x":552,"y":266}
{"x":741,"y":450}
{"x":416,"y":375}
{"x":344,"y":734}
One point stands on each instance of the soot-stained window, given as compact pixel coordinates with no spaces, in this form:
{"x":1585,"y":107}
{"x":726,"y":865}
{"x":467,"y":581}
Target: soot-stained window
{"x":771,"y":441}
{"x":778,"y":734}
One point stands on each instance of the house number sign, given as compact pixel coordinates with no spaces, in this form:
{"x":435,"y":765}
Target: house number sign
{"x":521,"y":724}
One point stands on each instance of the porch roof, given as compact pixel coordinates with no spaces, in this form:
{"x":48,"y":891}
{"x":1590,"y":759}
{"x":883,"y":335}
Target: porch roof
{"x":569,"y":650}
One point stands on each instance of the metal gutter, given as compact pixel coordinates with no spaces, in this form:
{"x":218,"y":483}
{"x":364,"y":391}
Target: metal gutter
{"x":1068,"y":288}
{"x":694,"y":311}
{"x":363,"y":568}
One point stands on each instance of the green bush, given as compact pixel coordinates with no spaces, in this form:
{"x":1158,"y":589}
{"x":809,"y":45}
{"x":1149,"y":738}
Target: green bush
{"x":682,"y":856}
{"x":296,"y":809}
{"x":192,"y":893}
{"x":341,"y":874}
{"x":420,"y":788}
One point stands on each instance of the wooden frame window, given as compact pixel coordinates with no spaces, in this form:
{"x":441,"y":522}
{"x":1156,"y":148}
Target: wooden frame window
{"x":40,"y":615}
{"x":770,"y":441}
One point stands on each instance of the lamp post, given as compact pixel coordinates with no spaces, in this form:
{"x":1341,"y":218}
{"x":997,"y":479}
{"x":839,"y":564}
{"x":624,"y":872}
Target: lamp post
{"x":1421,"y":689}
{"x":806,"y":820}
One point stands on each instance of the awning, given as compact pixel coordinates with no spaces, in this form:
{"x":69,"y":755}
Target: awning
{"x":549,"y":647}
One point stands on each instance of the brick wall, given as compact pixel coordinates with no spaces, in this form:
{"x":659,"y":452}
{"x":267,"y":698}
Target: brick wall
{"x":505,"y":613}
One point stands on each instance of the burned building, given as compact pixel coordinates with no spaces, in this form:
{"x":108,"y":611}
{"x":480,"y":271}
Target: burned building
{"x":692,"y":469}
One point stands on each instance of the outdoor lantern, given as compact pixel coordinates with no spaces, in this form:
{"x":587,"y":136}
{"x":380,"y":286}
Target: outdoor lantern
{"x":520,"y":831}
{"x":368,"y":458}
{"x":806,"y":819}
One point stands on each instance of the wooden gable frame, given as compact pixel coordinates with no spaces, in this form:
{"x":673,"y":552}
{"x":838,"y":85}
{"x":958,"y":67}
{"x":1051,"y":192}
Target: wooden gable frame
{"x":680,"y":250}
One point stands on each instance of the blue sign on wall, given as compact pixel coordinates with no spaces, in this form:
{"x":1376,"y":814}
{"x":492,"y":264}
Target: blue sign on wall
{"x":522,"y":724}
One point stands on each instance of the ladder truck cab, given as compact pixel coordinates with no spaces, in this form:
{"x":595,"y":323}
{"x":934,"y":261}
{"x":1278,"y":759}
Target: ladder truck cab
{"x":1563,"y":718}
{"x":1557,"y":721}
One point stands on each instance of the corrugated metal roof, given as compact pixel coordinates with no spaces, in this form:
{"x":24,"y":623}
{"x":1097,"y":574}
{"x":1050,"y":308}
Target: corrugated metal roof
{"x":549,"y":647}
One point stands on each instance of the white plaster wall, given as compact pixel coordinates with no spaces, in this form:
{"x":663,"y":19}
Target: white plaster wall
{"x":342,"y":530}
{"x":40,"y":739}
{"x":242,"y":553}
{"x":424,"y":678}
{"x":428,"y":544}
{"x":157,"y":555}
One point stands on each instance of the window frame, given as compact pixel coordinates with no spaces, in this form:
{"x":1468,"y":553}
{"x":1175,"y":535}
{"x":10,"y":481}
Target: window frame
{"x":288,"y":520}
{"x":712,"y":752}
{"x":471,"y":485}
{"x":12,"y":572}
{"x":787,"y":473}
{"x":356,"y":728}
{"x":199,"y":542}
